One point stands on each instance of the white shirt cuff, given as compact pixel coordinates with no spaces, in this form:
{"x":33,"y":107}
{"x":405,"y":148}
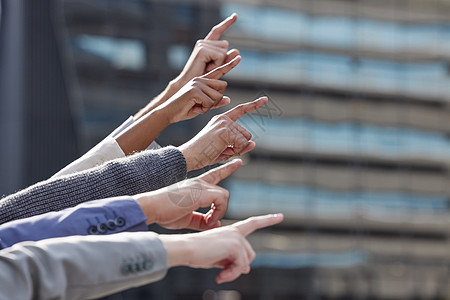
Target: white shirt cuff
{"x":108,"y":149}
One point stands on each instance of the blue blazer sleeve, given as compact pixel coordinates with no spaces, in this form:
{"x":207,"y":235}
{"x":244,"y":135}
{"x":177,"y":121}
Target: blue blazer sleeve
{"x":105,"y":216}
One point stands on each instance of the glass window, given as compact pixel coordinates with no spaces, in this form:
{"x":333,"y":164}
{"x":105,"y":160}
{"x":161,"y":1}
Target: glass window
{"x":272,"y":23}
{"x":297,"y":201}
{"x":305,"y":259}
{"x":121,"y":53}
{"x":428,"y":79}
{"x":349,"y":138}
{"x":177,"y":56}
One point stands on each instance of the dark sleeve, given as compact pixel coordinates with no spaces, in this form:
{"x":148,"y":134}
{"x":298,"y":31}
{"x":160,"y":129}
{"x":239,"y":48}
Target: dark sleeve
{"x":141,"y":172}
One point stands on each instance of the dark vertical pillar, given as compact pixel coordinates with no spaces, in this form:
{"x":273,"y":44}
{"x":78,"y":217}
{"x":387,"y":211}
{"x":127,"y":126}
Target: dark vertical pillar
{"x":11,"y":95}
{"x":34,"y":94}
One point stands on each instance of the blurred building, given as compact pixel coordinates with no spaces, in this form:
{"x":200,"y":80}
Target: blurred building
{"x":352,"y":147}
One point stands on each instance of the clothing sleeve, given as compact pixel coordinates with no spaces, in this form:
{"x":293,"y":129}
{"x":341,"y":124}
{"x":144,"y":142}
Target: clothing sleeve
{"x":142,"y":172}
{"x":108,"y":149}
{"x":81,"y":267}
{"x":97,"y":217}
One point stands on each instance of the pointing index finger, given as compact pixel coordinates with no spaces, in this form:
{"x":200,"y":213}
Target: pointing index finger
{"x":240,"y":110}
{"x":254,"y":223}
{"x":220,"y":28}
{"x":218,"y":72}
{"x":218,"y":174}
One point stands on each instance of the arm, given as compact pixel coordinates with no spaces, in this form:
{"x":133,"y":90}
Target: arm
{"x":104,"y":151}
{"x":172,"y":207}
{"x":226,"y":248}
{"x":142,"y":172}
{"x":97,"y":217}
{"x":81,"y":267}
{"x":207,"y":55}
{"x":222,"y":138}
{"x":198,"y":96}
{"x":195,"y":91}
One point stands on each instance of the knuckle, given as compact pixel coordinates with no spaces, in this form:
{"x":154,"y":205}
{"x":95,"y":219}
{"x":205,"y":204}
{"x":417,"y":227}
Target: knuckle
{"x":224,"y":118}
{"x":247,"y":269}
{"x":222,"y":55}
{"x":240,"y":106}
{"x":252,"y":255}
{"x":224,"y":124}
{"x":235,"y":232}
{"x":197,"y":79}
{"x":195,"y":90}
{"x":251,"y":220}
{"x":226,"y":193}
{"x":198,"y":181}
{"x":202,"y":49}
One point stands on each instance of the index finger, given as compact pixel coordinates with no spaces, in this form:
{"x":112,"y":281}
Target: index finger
{"x":220,"y":28}
{"x":240,"y":110}
{"x":254,"y":223}
{"x":218,"y":72}
{"x":218,"y":174}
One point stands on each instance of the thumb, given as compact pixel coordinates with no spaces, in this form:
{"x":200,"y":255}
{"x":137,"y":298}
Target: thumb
{"x":214,"y":176}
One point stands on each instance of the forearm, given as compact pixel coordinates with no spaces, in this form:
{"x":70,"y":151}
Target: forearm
{"x":179,"y":249}
{"x":143,"y":132}
{"x":170,"y":90}
{"x":81,"y":267}
{"x":142,"y":172}
{"x":99,"y":217}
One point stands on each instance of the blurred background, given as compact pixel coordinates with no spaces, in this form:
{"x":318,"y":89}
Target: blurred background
{"x":352,"y":146}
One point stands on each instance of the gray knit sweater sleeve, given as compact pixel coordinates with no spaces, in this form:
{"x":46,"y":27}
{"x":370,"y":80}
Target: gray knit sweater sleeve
{"x":142,"y":172}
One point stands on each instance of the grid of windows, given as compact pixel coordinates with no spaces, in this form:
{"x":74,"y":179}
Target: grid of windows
{"x":297,"y":27}
{"x":296,"y":135}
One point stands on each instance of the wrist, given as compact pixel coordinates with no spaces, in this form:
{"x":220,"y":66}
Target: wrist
{"x":145,"y":202}
{"x":179,"y":252}
{"x":177,"y":83}
{"x":189,"y":157}
{"x":163,"y":117}
{"x":168,"y":92}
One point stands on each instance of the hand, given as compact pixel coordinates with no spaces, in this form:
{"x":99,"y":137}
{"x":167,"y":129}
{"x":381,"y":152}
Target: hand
{"x":174,"y":207}
{"x":199,"y":95}
{"x":207,"y":55}
{"x":221,"y":138}
{"x":225,"y":247}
